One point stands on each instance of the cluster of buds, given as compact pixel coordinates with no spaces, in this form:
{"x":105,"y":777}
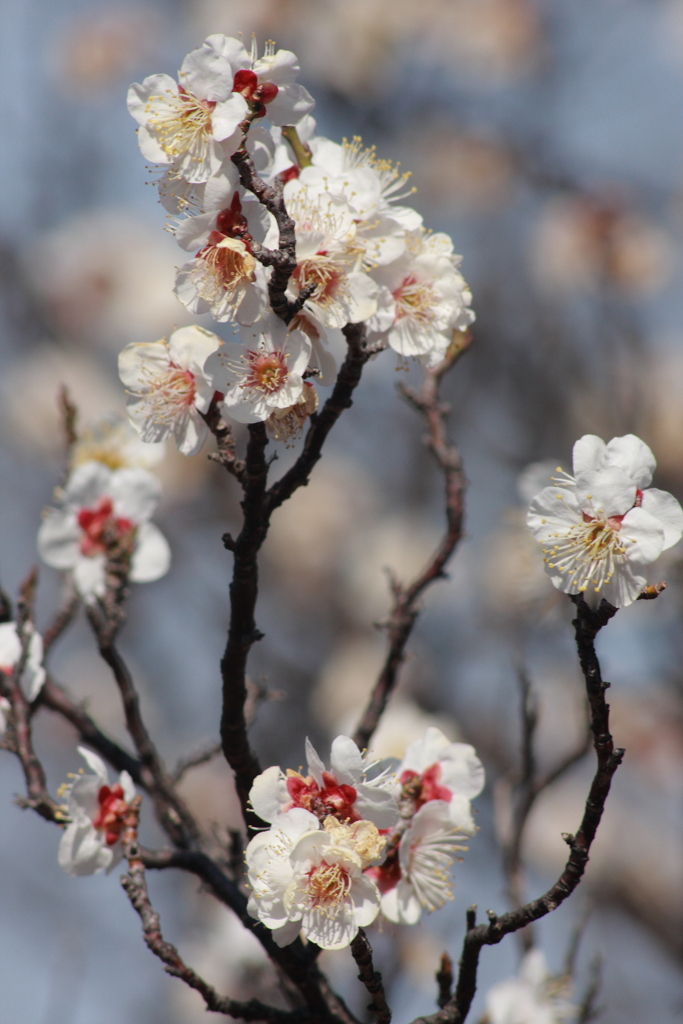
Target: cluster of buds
{"x":361,"y":255}
{"x":343,"y":847}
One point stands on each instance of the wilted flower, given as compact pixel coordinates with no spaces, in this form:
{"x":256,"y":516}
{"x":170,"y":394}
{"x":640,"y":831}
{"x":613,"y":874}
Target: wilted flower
{"x":92,"y":839}
{"x":308,"y":879}
{"x":599,"y":528}
{"x":102,"y":507}
{"x":343,"y":792}
{"x":168,"y":389}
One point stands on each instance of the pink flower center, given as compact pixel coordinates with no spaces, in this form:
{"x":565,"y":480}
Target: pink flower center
{"x":246,"y":83}
{"x":112,"y":812}
{"x":336,"y":799}
{"x":100,"y":528}
{"x":327,"y":886}
{"x":414,"y":299}
{"x":231,"y":221}
{"x":266,"y":371}
{"x":613,"y":522}
{"x":425,"y":787}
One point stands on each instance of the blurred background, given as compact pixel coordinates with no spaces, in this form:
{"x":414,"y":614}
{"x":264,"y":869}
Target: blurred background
{"x":547,"y":137}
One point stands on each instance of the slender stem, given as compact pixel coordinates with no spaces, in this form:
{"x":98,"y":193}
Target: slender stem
{"x":406,"y":599}
{"x":586,"y":626}
{"x":361,"y":950}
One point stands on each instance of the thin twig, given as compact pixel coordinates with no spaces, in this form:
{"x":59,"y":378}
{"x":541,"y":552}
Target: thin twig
{"x":296,"y":960}
{"x":361,"y":950}
{"x":171,"y":810}
{"x":349,"y":376}
{"x":527,"y":791}
{"x":225,"y":443}
{"x":69,"y":604}
{"x":586,"y":626}
{"x":194,"y":760}
{"x":19,"y":740}
{"x":135,"y":885}
{"x":57,"y":699}
{"x":406,"y":598}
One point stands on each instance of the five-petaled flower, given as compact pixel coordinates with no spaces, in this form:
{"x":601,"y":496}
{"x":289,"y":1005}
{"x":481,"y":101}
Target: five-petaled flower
{"x":102,"y":508}
{"x":343,"y":792}
{"x":304,"y":878}
{"x":433,"y":768}
{"x":599,"y":528}
{"x":97,"y":812}
{"x":264,"y":375}
{"x":167,"y":387}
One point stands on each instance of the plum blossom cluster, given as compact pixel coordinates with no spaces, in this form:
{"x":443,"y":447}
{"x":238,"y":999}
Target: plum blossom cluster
{"x":600,"y":527}
{"x":344,"y":846}
{"x":362,"y":255}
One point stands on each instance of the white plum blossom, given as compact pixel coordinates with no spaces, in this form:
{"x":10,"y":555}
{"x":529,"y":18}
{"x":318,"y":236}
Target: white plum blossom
{"x":268,"y":83}
{"x":193,"y":124}
{"x":329,"y":260}
{"x":33,"y":673}
{"x":167,"y":386}
{"x":424,"y":298}
{"x":264,"y":374}
{"x":97,"y":811}
{"x":599,"y":528}
{"x":224,"y":278}
{"x":343,"y":791}
{"x":101,"y":506}
{"x":304,"y":878}
{"x":433,"y":768}
{"x":415,"y":876}
{"x":533,"y":997}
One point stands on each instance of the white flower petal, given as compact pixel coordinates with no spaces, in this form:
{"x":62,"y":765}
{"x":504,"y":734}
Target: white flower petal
{"x":152,"y":555}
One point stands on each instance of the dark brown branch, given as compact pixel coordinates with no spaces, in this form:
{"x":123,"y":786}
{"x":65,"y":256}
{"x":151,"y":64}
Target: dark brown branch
{"x":406,"y":599}
{"x":68,"y":606}
{"x":444,"y":979}
{"x":322,"y":422}
{"x":283,"y":261}
{"x":586,"y":626}
{"x":195,"y":760}
{"x":258,"y":505}
{"x":171,"y":811}
{"x":135,"y":885}
{"x":225,"y":442}
{"x":18,"y":739}
{"x":361,"y":951}
{"x":295,"y":960}
{"x":242,"y":632}
{"x":528,"y":789}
